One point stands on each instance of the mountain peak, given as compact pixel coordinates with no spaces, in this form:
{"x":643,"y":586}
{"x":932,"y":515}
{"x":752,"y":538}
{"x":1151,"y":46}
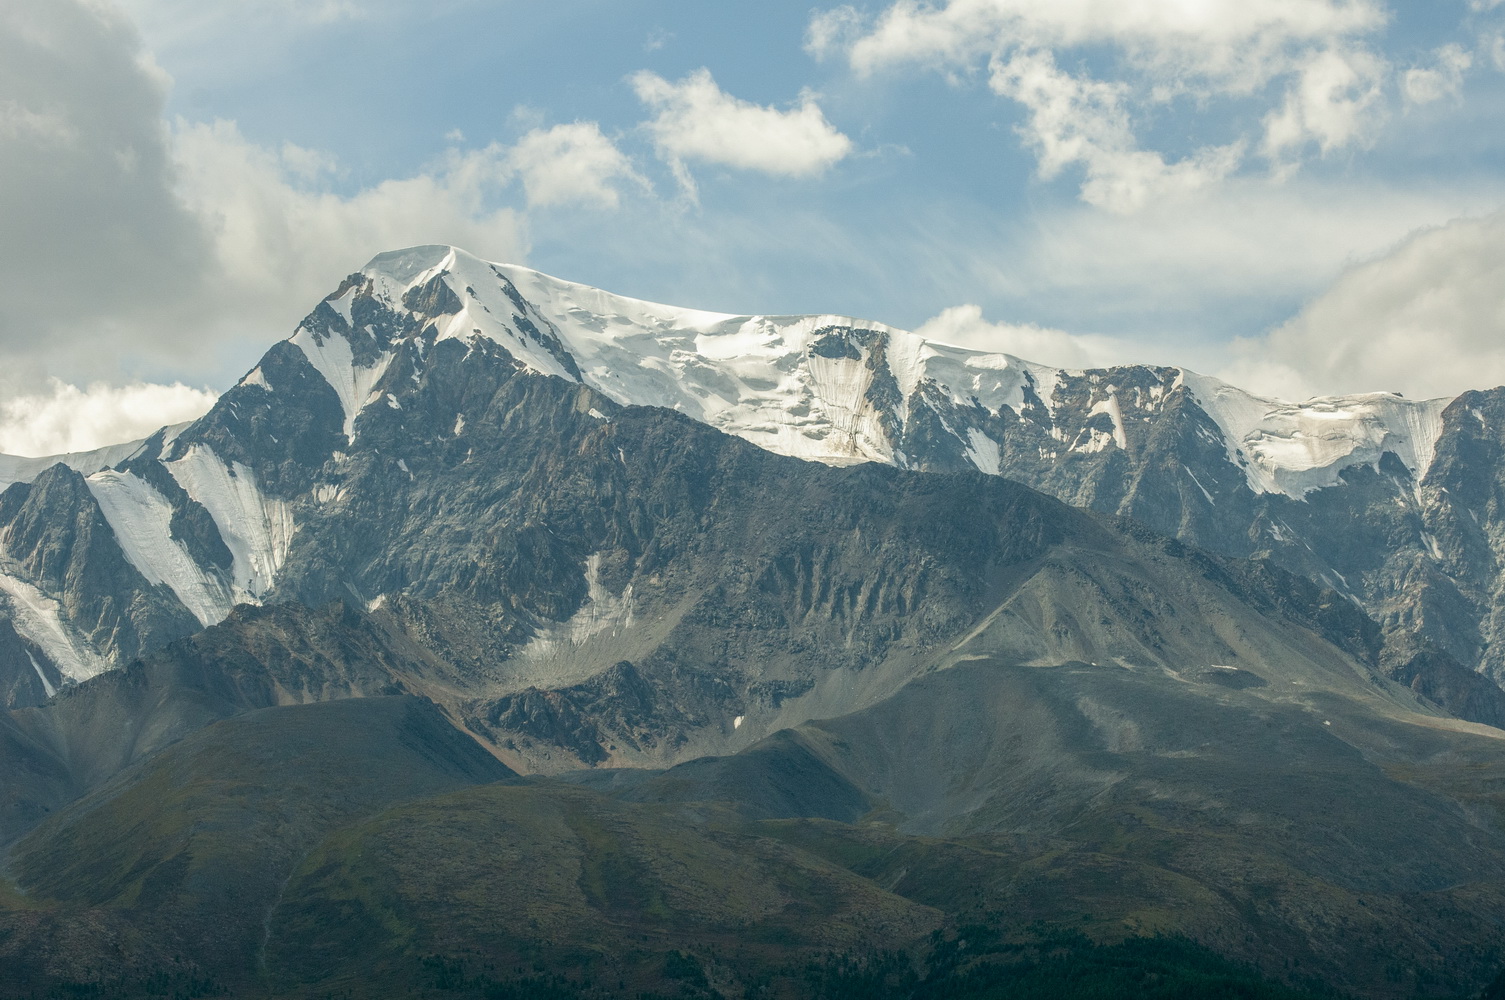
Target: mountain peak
{"x":406,"y":264}
{"x":415,"y":347}
{"x":837,"y":389}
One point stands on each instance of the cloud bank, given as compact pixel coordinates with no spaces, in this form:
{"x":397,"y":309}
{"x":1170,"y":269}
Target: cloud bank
{"x":137,"y":247}
{"x":143,"y":251}
{"x":66,"y":418}
{"x":1426,"y":319}
{"x":135,"y":244}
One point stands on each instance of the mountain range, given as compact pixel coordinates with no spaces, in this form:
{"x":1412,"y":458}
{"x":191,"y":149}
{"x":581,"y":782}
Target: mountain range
{"x":498,"y":633}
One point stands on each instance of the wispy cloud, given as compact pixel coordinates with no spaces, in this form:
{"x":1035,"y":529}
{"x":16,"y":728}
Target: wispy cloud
{"x":965,"y":326}
{"x":1443,"y":78}
{"x":573,"y":163}
{"x":1145,"y":55}
{"x":697,"y":120}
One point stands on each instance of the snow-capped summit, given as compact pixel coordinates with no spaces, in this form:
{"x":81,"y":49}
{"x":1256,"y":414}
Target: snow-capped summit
{"x":833,"y":388}
{"x":395,"y":377}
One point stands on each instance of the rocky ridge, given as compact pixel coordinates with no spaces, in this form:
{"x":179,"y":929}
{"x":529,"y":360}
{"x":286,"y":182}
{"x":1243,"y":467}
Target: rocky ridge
{"x":892,"y":699}
{"x":1385,"y":500}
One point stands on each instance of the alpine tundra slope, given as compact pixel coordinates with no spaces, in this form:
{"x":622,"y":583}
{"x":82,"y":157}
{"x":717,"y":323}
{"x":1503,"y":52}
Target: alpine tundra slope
{"x":499,"y":634}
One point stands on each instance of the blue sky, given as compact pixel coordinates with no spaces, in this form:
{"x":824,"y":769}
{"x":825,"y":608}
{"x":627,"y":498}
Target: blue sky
{"x":1302,"y":196}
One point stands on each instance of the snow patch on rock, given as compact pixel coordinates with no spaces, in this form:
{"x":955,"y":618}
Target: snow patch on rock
{"x":1294,"y":448}
{"x":602,"y":610}
{"x":41,"y":675}
{"x":331,"y":356}
{"x":37,"y":617}
{"x":142,"y":521}
{"x":982,"y":451}
{"x":257,"y":529}
{"x":1109,"y":405}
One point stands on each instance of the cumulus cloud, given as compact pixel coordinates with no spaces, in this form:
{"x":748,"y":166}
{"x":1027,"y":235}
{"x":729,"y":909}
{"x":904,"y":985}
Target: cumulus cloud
{"x":697,"y":120}
{"x":277,"y":241}
{"x":965,"y":326}
{"x":1444,"y":78}
{"x":125,"y":235}
{"x":1192,"y":269}
{"x":571,"y":163}
{"x":66,"y":418}
{"x":1078,"y":120}
{"x":1332,"y":102}
{"x":1155,"y":52}
{"x":92,"y":224}
{"x":134,"y":246}
{"x":1426,"y":319}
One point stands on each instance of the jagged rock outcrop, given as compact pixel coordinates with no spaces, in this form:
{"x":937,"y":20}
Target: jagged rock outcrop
{"x":378,"y":453}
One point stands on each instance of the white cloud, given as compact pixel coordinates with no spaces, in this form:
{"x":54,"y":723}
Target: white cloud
{"x":1153,"y":52}
{"x":696,"y":120}
{"x":1333,"y":102}
{"x":92,"y":225}
{"x":1426,"y":319}
{"x":965,"y":326}
{"x":571,"y":163}
{"x":831,"y":31}
{"x":1078,"y":120}
{"x":133,"y":247}
{"x":1425,"y":84}
{"x":278,"y":242}
{"x":308,"y":165}
{"x":1191,"y":269}
{"x":66,"y":418}
{"x":1240,"y":43}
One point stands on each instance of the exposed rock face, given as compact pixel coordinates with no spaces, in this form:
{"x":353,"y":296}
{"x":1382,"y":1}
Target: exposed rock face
{"x":436,"y":506}
{"x":624,"y":585}
{"x":75,"y":602}
{"x":390,"y":452}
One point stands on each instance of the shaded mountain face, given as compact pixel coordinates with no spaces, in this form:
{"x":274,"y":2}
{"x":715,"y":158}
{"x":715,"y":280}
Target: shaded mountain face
{"x":368,"y":845}
{"x":294,"y":654}
{"x":259,"y":657}
{"x":184,"y":853}
{"x":386,"y":399}
{"x":627,"y":586}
